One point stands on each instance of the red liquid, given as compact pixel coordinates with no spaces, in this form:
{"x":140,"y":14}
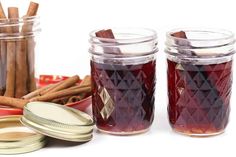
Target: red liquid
{"x":199,"y":97}
{"x":123,"y":96}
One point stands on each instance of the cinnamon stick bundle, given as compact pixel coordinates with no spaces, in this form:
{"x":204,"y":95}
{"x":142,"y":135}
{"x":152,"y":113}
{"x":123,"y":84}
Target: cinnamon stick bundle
{"x":62,"y":93}
{"x":86,"y":82}
{"x":17,"y":53}
{"x":59,"y":92}
{"x":39,"y":91}
{"x":63,"y":85}
{"x":53,"y":87}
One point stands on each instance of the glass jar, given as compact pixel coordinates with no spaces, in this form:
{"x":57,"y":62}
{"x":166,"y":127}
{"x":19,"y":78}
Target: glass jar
{"x":17,"y":61}
{"x":199,"y":80}
{"x":123,"y":80}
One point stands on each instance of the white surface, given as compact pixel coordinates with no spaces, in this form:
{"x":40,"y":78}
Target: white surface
{"x":64,"y":43}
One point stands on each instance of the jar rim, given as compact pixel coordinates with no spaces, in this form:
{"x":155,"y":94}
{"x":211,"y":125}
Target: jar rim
{"x":125,"y":39}
{"x":33,"y":21}
{"x":227,"y":34}
{"x":128,"y":30}
{"x":23,"y":19}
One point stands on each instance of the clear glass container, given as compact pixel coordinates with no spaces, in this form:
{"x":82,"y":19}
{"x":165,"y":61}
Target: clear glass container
{"x":18,"y":45}
{"x":199,"y":80}
{"x":123,"y":80}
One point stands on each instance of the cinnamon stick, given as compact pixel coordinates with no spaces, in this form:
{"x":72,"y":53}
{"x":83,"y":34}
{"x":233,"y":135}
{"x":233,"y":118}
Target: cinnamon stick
{"x":53,"y":87}
{"x":74,"y":99}
{"x":2,"y":13}
{"x":107,"y":33}
{"x":27,"y":27}
{"x":2,"y":54}
{"x":62,"y":93}
{"x":85,"y":82}
{"x":21,"y":69}
{"x":14,"y":102}
{"x":11,"y":54}
{"x":33,"y":8}
{"x":180,"y":34}
{"x":63,"y":85}
{"x":185,"y":43}
{"x":38,"y":91}
{"x":62,"y":100}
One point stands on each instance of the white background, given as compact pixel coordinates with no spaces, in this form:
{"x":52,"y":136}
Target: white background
{"x":64,"y":43}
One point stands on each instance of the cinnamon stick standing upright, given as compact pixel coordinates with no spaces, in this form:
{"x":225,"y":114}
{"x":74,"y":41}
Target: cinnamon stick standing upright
{"x":2,"y":53}
{"x":21,"y":68}
{"x":108,"y":34}
{"x":105,"y":33}
{"x":32,"y":11}
{"x":11,"y":54}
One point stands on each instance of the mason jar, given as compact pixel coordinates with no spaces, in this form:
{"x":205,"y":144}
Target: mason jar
{"x":199,"y":80}
{"x":18,"y":46}
{"x":123,"y":80}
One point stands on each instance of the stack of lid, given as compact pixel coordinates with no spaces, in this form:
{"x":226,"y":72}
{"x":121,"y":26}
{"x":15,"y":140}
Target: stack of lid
{"x":16,"y":138}
{"x":49,"y":119}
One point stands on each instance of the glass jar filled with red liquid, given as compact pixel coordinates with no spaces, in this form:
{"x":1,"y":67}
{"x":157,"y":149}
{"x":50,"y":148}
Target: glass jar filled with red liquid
{"x":123,"y":79}
{"x":199,"y":80}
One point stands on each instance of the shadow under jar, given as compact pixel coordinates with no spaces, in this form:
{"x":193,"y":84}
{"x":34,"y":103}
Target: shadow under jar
{"x":123,"y":80}
{"x":199,"y":80}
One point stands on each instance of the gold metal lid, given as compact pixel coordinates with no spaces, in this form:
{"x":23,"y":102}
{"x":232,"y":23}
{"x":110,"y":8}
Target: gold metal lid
{"x":16,"y":138}
{"x":58,"y":121}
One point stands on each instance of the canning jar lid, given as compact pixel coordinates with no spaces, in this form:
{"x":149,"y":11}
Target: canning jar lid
{"x":58,"y":121}
{"x":16,"y":138}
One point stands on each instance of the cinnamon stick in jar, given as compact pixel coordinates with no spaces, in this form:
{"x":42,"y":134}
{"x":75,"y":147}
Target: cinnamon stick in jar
{"x":180,"y":34}
{"x":2,"y":54}
{"x":21,"y":68}
{"x":25,"y":82}
{"x":13,"y":15}
{"x":105,"y":33}
{"x":108,"y":34}
{"x":27,"y":27}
